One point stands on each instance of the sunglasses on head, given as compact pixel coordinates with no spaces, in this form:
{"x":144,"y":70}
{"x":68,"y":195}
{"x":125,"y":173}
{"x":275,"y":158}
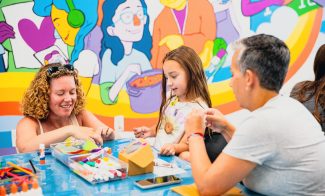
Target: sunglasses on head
{"x":54,"y":69}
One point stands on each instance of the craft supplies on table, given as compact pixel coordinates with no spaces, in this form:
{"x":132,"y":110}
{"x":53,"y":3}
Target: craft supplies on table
{"x":102,"y":167}
{"x":93,"y":164}
{"x":18,"y":179}
{"x":64,"y":150}
{"x":42,"y":154}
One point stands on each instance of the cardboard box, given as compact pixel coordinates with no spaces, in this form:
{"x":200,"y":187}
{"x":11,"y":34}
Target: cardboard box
{"x":138,"y":154}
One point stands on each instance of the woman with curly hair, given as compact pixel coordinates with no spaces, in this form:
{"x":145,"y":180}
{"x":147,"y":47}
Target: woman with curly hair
{"x":312,"y":93}
{"x":53,"y":107}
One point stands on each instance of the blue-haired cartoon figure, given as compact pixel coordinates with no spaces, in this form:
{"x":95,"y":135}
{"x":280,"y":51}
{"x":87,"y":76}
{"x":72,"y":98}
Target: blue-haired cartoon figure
{"x":75,"y":25}
{"x":126,"y":45}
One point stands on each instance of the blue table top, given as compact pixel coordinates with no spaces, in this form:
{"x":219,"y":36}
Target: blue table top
{"x":57,"y":179}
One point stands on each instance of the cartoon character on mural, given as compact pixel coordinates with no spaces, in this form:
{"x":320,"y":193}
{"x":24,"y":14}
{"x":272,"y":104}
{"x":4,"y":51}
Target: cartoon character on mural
{"x":261,"y":11}
{"x":227,"y":24}
{"x":250,"y":7}
{"x":75,"y":25}
{"x":227,"y":32}
{"x":230,"y":30}
{"x":6,"y":32}
{"x":126,"y":45}
{"x":322,"y":3}
{"x":54,"y":57}
{"x":183,"y":22}
{"x":219,"y":54}
{"x":18,"y":58}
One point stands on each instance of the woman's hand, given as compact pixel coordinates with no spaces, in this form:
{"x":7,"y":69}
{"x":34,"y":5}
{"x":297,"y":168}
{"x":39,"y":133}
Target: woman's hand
{"x":168,"y":149}
{"x":85,"y":133}
{"x":107,"y":133}
{"x":142,"y":132}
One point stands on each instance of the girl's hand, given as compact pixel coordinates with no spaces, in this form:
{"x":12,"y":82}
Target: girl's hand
{"x":85,"y":133}
{"x":168,"y":149}
{"x":142,"y":132}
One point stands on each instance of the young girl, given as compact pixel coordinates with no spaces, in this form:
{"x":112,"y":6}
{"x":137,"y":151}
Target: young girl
{"x":184,"y":78}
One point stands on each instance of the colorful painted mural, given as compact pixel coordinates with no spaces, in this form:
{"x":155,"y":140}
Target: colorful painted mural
{"x":116,"y":43}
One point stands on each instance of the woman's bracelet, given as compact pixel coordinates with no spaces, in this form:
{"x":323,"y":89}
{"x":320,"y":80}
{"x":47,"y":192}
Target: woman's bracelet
{"x":196,"y":134}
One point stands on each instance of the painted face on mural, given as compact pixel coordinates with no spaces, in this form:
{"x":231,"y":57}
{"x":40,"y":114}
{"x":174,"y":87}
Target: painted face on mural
{"x":66,"y":32}
{"x":129,"y":21}
{"x":176,"y":79}
{"x":174,"y":4}
{"x":63,"y":96}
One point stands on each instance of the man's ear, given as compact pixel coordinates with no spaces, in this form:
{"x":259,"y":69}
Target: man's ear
{"x":110,"y":30}
{"x":250,"y":78}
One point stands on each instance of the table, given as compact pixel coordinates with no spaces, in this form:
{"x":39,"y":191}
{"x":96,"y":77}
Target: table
{"x":56,"y":179}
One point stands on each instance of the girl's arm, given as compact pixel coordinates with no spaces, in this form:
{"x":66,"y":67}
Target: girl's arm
{"x":182,"y":145}
{"x":88,"y":119}
{"x":172,"y":149}
{"x":27,"y":139}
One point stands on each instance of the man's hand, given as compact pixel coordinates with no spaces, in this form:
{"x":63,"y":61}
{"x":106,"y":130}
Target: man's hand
{"x":215,"y":120}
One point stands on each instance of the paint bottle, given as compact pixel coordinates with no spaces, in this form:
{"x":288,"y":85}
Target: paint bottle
{"x":36,"y":189}
{"x":42,"y":154}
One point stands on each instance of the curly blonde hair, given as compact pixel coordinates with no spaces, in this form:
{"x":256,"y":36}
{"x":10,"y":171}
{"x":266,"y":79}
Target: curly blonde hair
{"x":35,"y":102}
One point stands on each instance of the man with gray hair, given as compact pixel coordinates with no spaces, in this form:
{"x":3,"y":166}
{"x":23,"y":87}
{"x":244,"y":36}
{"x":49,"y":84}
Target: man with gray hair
{"x":278,"y":149}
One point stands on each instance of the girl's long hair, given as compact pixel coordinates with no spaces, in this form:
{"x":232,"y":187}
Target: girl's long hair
{"x":308,"y":89}
{"x":197,"y":86}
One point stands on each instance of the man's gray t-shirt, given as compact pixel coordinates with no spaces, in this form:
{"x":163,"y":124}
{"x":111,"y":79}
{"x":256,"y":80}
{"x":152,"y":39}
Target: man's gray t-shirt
{"x":288,"y":146}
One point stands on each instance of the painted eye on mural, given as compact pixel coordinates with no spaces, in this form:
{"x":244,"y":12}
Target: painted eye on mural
{"x":127,"y":17}
{"x":140,"y":14}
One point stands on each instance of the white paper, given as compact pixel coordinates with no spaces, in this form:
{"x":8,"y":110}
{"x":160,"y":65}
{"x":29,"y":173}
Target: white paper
{"x":165,"y":171}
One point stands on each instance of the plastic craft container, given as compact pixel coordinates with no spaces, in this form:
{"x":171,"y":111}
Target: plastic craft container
{"x":102,"y":169}
{"x":64,"y":150}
